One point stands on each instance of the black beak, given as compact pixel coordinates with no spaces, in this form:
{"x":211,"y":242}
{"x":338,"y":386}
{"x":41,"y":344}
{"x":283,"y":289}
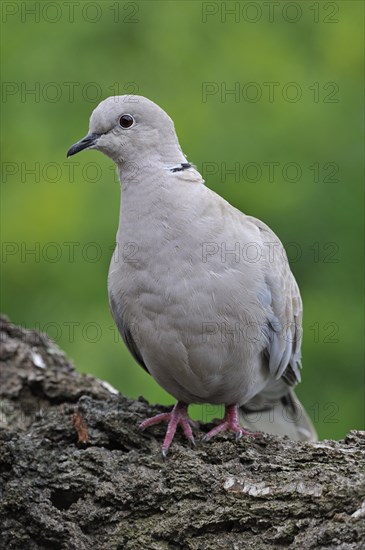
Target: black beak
{"x":84,"y":143}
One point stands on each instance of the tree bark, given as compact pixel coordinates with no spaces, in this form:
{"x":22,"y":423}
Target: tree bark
{"x":77,"y":473}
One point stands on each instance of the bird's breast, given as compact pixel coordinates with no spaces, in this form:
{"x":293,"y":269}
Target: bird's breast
{"x":192,"y":322}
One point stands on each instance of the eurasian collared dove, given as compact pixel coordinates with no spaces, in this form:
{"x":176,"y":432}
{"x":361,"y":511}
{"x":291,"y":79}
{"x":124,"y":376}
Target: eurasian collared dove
{"x":202,"y":294}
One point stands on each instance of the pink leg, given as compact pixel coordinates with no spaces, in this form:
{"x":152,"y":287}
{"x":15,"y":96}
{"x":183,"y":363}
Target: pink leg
{"x":231,"y":423}
{"x":178,"y":415}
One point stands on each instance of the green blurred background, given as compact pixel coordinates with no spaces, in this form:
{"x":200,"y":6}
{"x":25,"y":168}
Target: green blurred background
{"x":57,"y":65}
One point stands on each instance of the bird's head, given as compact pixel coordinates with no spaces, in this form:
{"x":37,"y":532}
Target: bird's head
{"x":131,"y":129}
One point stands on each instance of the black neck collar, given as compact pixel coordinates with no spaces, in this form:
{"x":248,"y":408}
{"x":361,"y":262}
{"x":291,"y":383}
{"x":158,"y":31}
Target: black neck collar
{"x":180,"y":167}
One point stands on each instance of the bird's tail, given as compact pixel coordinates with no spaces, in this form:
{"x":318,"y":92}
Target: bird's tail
{"x":286,"y":416}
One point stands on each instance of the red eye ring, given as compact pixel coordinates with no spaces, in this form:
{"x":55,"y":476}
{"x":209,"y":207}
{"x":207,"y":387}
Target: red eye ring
{"x":126,"y":121}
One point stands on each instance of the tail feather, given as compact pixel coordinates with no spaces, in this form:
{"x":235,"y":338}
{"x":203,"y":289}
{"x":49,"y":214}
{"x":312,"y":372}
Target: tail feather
{"x":286,"y":416}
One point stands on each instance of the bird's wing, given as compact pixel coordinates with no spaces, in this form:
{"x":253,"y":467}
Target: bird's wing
{"x":282,"y":296}
{"x":126,"y":332}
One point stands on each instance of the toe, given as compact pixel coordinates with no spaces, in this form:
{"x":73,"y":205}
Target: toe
{"x":187,"y":430}
{"x":220,"y":428}
{"x":154,"y":420}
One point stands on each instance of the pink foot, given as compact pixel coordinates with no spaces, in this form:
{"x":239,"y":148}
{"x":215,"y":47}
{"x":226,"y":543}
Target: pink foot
{"x":231,"y":423}
{"x":178,"y":415}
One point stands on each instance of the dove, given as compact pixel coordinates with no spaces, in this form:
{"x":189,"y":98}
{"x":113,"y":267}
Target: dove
{"x":202,"y":294}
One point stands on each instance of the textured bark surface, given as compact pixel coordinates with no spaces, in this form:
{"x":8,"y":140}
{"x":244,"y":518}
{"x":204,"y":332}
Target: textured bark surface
{"x":77,"y":473}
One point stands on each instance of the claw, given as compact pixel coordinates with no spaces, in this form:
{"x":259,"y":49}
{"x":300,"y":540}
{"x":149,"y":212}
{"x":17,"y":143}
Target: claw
{"x":231,"y":423}
{"x":178,"y":415}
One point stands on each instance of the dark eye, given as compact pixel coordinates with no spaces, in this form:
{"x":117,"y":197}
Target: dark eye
{"x":126,"y":121}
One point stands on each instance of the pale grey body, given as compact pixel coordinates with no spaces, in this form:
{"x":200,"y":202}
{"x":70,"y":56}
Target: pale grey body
{"x":199,"y":316}
{"x":202,"y":294}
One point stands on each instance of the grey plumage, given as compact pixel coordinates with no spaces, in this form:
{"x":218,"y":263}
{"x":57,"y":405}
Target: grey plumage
{"x":207,"y":302}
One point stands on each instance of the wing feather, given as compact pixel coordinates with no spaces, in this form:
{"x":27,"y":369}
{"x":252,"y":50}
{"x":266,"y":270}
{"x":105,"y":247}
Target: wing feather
{"x":284,"y":323}
{"x":126,"y":332}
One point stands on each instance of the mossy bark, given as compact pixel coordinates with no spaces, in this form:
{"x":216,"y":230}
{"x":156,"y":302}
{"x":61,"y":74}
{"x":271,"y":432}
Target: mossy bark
{"x":76,"y":472}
